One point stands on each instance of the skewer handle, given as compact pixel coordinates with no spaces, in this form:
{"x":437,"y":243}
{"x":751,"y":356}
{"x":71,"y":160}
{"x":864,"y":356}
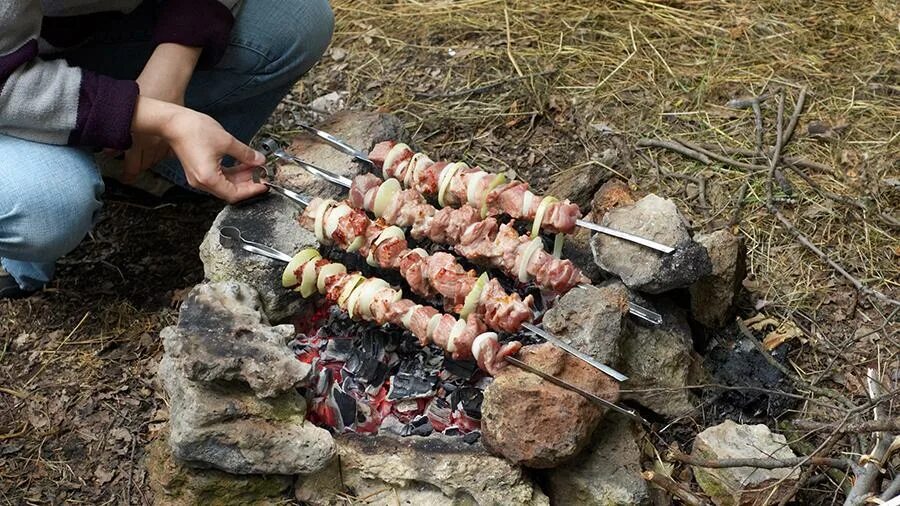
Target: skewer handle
{"x":626,"y":236}
{"x":550,"y":338}
{"x":231,"y":238}
{"x":271,"y":148}
{"x":337,"y":143}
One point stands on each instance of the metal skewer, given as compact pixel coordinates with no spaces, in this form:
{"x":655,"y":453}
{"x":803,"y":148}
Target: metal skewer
{"x":263,"y":175}
{"x":575,"y":388}
{"x":230,"y":237}
{"x":360,"y":156}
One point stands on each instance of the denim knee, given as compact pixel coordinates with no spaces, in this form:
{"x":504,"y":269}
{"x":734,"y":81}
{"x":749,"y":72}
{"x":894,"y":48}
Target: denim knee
{"x":48,"y":204}
{"x":293,"y":34}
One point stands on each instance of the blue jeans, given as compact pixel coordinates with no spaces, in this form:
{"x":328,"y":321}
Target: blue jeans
{"x":50,"y":195}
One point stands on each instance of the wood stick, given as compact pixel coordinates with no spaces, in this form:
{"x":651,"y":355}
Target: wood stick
{"x":892,"y":490}
{"x":670,"y":486}
{"x":886,"y":425}
{"x":759,"y":463}
{"x":865,"y":482}
{"x":674,"y":146}
{"x":776,"y":154}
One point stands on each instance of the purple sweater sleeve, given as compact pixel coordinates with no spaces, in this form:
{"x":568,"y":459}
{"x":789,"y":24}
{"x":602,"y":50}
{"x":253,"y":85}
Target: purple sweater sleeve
{"x":197,"y":23}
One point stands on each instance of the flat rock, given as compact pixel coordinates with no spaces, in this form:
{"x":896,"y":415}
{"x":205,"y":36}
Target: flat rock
{"x":644,"y":269}
{"x":222,"y":336}
{"x":592,"y":319}
{"x":713,"y":297}
{"x":416,"y":470}
{"x":271,"y":220}
{"x":535,"y":423}
{"x":174,"y":484}
{"x":660,"y":362}
{"x":607,"y":473}
{"x":742,"y":485}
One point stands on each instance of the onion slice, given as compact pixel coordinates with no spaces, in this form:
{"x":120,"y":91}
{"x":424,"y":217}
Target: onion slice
{"x":498,"y":180}
{"x":326,"y":272}
{"x":418,"y":162}
{"x":432,"y":326}
{"x":357,"y":243}
{"x":319,"y":227}
{"x":367,"y":295}
{"x":384,"y":196}
{"x":474,"y":294}
{"x":391,"y":157}
{"x":539,"y":215}
{"x":445,"y":178}
{"x":289,"y":276}
{"x":406,"y":319}
{"x":392,"y":231}
{"x":558,"y":242}
{"x":529,"y":252}
{"x":526,"y":202}
{"x":455,"y":332}
{"x":349,"y":287}
{"x":481,"y":341}
{"x":308,"y":279}
{"x":471,"y":190}
{"x":331,"y":222}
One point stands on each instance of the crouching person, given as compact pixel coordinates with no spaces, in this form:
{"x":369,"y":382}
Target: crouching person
{"x":174,"y":85}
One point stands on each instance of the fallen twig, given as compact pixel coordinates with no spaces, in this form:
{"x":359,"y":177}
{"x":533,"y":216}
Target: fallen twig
{"x":865,"y":482}
{"x":776,"y":153}
{"x":885,"y":425}
{"x":676,"y":147}
{"x":760,"y":463}
{"x":670,"y":486}
{"x":892,"y":490}
{"x":739,"y":205}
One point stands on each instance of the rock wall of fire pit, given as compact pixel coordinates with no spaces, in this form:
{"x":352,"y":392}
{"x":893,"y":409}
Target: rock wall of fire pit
{"x":417,"y":470}
{"x":230,"y":379}
{"x":270,"y":220}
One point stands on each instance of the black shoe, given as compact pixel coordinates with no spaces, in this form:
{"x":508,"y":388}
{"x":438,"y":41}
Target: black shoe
{"x":9,"y":289}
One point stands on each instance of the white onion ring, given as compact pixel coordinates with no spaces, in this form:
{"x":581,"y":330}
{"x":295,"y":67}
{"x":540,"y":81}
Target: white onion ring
{"x":392,"y":157}
{"x":455,"y":332}
{"x":529,"y":252}
{"x":326,"y":272}
{"x":320,"y":216}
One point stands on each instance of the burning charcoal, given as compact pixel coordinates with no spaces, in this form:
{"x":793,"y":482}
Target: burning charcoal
{"x":346,"y":406}
{"x":463,"y":369}
{"x":412,"y":381}
{"x":438,"y":412}
{"x":472,"y":437}
{"x":420,"y":426}
{"x":338,"y":350}
{"x":366,"y":368}
{"x":469,"y":399}
{"x":452,"y":431}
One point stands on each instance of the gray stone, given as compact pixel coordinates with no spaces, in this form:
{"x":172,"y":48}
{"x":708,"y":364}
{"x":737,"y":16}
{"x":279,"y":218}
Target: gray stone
{"x":592,"y":319}
{"x":415,"y":470}
{"x":271,"y":220}
{"x":230,"y":379}
{"x":577,"y":248}
{"x":223,"y":336}
{"x":644,"y":269}
{"x":227,"y":427}
{"x":660,"y":362}
{"x":174,"y":484}
{"x":607,"y":473}
{"x":743,"y":485}
{"x":713,"y":297}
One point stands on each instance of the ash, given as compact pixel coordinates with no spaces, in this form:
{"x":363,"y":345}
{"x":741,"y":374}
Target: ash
{"x":369,"y":379}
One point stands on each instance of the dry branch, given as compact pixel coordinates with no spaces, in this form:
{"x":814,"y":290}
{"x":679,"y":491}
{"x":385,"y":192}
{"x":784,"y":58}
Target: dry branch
{"x":886,"y":425}
{"x":672,"y":487}
{"x":760,"y":463}
{"x":865,"y":482}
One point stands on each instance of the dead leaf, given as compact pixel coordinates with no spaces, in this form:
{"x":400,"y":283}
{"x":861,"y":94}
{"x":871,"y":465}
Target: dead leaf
{"x":760,"y":322}
{"x":103,"y":476}
{"x":787,"y":330}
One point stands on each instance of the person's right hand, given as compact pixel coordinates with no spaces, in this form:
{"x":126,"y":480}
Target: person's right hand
{"x":200,"y":143}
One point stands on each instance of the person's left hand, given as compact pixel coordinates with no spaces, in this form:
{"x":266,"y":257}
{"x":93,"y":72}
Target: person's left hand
{"x":164,"y":77}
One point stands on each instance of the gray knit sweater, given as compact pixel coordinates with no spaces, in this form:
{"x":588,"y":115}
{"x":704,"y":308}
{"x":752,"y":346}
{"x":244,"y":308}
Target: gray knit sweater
{"x":50,"y":101}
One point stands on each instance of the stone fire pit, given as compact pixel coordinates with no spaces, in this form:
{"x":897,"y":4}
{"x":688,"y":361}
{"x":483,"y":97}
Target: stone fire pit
{"x":266,"y":400}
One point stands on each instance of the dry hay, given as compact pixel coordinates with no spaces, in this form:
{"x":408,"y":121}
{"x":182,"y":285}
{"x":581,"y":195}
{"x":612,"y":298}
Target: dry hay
{"x":537,"y":87}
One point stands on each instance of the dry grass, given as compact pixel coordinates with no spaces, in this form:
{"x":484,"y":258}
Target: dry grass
{"x":559,"y":72}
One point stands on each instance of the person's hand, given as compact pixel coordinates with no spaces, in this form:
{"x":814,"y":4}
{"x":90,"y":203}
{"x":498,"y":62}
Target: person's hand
{"x":200,"y":143}
{"x":165,"y":77}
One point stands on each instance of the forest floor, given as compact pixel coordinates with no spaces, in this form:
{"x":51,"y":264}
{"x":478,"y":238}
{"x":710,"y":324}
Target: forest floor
{"x":547,"y":90}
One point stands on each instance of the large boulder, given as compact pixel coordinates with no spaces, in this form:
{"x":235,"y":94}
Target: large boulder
{"x":174,"y":484}
{"x":743,"y":485}
{"x":642,"y":268}
{"x":607,"y":473}
{"x":660,"y":362}
{"x":271,"y":220}
{"x":230,"y":382}
{"x":533,"y":422}
{"x":593,"y":319}
{"x":416,"y":470}
{"x":713,"y":297}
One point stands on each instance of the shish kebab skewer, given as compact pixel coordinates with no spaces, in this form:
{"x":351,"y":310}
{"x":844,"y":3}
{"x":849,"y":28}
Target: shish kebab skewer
{"x":506,"y":250}
{"x":462,"y":185}
{"x":351,"y":230}
{"x":372,"y":299}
